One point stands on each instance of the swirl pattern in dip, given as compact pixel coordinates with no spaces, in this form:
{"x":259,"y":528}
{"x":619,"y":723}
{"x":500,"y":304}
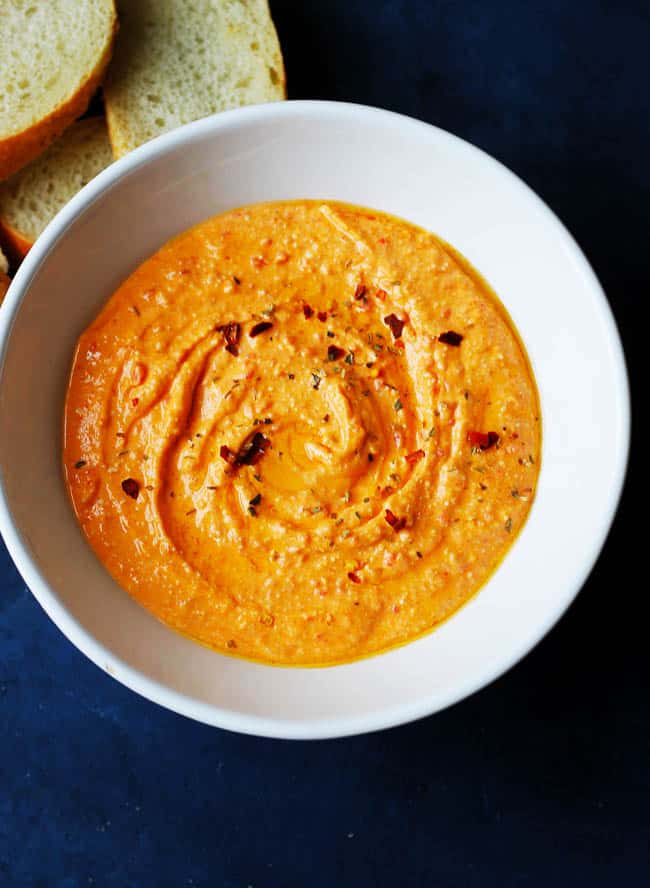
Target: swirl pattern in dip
{"x":302,"y":432}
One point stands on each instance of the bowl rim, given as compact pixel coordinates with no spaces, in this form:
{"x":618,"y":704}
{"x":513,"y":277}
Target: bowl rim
{"x":184,"y":704}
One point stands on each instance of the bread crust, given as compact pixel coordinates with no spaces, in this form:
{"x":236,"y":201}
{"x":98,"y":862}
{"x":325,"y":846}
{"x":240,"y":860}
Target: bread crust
{"x":16,"y":237}
{"x":15,"y":245}
{"x":18,"y":150}
{"x":4,"y":285}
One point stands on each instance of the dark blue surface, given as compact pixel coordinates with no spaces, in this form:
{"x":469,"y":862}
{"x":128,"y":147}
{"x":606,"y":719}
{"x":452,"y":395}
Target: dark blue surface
{"x":542,"y":778}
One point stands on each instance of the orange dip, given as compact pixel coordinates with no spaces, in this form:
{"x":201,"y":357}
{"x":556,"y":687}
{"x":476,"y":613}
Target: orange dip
{"x":302,"y":433}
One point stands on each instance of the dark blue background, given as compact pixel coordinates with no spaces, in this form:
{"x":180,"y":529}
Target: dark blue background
{"x":542,"y":778}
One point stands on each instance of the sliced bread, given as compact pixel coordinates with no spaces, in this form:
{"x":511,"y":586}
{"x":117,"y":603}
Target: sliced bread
{"x":35,"y":194}
{"x":179,"y":60}
{"x":52,"y":59}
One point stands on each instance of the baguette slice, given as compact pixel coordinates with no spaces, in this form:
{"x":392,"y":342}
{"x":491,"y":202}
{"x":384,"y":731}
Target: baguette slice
{"x":52,"y":59}
{"x":176,"y":61}
{"x":35,"y":194}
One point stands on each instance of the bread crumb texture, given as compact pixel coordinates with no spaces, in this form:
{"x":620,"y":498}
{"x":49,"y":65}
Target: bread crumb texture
{"x":35,"y":194}
{"x":179,"y":60}
{"x":47,"y":52}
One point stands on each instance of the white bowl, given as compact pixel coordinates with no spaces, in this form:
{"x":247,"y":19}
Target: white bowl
{"x":380,"y":160}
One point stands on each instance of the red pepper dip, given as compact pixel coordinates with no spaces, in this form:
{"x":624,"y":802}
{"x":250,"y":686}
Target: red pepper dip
{"x":302,"y":433}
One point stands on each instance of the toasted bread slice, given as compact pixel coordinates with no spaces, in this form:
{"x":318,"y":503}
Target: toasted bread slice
{"x":176,"y":61}
{"x":52,"y":59}
{"x":35,"y":194}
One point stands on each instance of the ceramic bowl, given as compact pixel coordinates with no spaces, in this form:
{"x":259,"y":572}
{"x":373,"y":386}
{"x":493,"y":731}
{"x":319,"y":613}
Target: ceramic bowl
{"x":376,"y":159}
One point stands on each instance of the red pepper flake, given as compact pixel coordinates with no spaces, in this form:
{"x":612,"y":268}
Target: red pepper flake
{"x":232,"y":334}
{"x":371,"y":457}
{"x":236,"y":279}
{"x":226,"y":453}
{"x":307,"y":310}
{"x":131,"y":488}
{"x":322,"y":316}
{"x":396,"y":523}
{"x":334,"y":352}
{"x":415,"y":457}
{"x":381,"y":295}
{"x":262,"y":327}
{"x":360,"y":292}
{"x":258,"y":261}
{"x":252,"y":450}
{"x":451,"y":338}
{"x":80,"y":463}
{"x":482,"y":440}
{"x":135,"y":402}
{"x":354,"y":577}
{"x":391,"y":518}
{"x":396,"y":326}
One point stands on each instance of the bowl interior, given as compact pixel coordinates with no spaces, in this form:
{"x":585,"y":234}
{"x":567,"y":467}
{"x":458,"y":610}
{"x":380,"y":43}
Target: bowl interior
{"x":315,"y":150}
